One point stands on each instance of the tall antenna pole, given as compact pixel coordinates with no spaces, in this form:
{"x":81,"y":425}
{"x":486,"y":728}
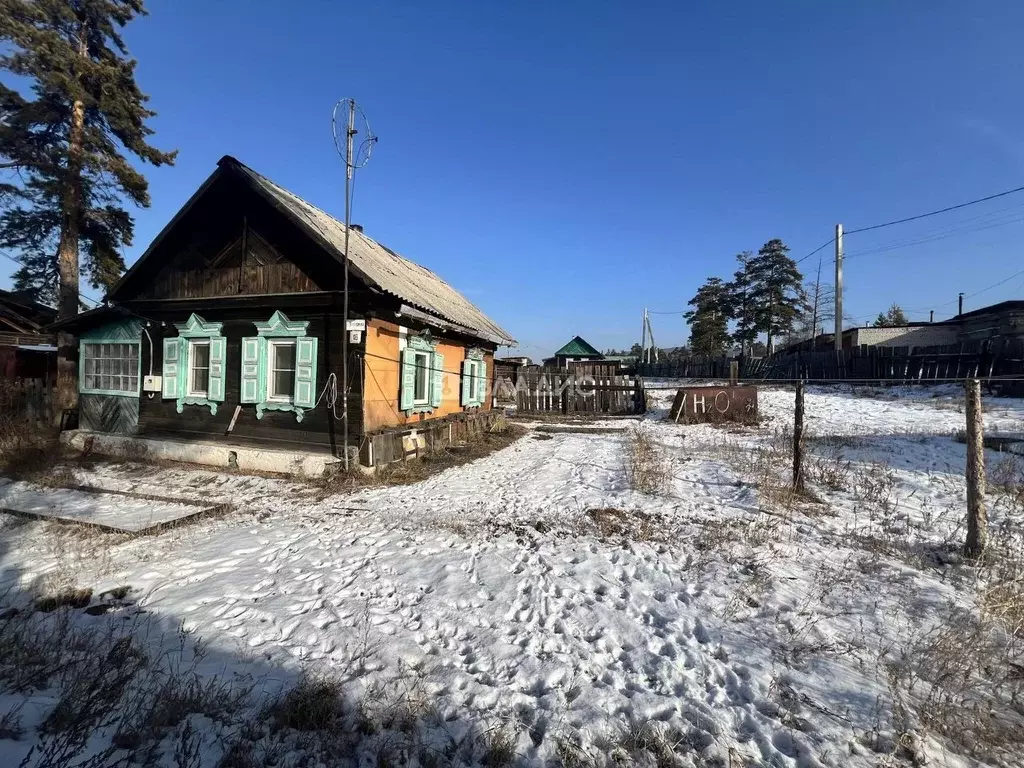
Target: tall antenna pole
{"x":349,"y":133}
{"x":814,"y":315}
{"x":839,"y":287}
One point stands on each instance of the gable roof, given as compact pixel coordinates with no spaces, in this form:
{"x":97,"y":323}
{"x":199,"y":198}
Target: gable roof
{"x":377,"y":264}
{"x":19,"y":309}
{"x":577,"y":347}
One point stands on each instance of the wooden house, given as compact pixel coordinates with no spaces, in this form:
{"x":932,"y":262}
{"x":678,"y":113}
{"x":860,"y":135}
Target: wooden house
{"x":229,"y":328}
{"x":27,"y":351}
{"x":575,"y":350}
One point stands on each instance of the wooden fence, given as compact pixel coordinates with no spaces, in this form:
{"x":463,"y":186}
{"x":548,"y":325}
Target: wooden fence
{"x":1003,"y":358}
{"x":28,"y":401}
{"x":568,"y":392}
{"x":414,"y":441}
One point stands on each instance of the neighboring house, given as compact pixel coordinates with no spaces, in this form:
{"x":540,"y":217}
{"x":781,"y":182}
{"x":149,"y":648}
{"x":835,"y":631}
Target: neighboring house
{"x":237,"y":307}
{"x":518,"y":360}
{"x":576,"y":350}
{"x":625,"y":361}
{"x":910,"y":335}
{"x":26,"y":351}
{"x":1004,"y":320}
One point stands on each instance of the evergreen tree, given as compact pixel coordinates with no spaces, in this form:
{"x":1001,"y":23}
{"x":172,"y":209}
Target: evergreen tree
{"x":65,"y":134}
{"x":891,"y":317}
{"x":709,"y":318}
{"x":776,"y":290}
{"x":741,"y":304}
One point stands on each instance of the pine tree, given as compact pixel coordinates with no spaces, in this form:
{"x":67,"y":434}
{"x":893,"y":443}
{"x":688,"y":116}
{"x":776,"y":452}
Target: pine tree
{"x":891,"y":317}
{"x":776,"y":290}
{"x":709,"y":318}
{"x":65,"y":138}
{"x":741,"y":304}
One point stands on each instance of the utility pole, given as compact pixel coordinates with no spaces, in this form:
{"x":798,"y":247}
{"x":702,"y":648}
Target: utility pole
{"x":349,"y":168}
{"x":977,"y":518}
{"x":654,"y":347}
{"x":839,"y":287}
{"x":643,"y":336}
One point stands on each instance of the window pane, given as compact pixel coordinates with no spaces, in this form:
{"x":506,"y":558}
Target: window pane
{"x":200,"y":379}
{"x":284,"y":356}
{"x":283,"y":384}
{"x":201,"y":356}
{"x":420,"y":390}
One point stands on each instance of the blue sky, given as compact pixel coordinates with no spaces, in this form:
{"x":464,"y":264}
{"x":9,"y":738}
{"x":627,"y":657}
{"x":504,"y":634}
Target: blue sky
{"x":567,"y":164}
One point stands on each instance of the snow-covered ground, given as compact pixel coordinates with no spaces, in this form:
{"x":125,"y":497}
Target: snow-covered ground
{"x":754,"y":628}
{"x":105,"y":509}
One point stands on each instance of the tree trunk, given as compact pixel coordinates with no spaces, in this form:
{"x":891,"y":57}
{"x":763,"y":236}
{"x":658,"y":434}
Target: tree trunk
{"x":66,"y":394}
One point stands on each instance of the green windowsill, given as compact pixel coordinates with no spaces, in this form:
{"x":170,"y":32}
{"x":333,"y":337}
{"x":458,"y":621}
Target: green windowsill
{"x":183,"y":401}
{"x":275,"y":406}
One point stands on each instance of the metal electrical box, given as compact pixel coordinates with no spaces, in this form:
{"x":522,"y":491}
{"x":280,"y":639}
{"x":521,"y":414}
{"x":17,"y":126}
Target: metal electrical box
{"x":151,"y":383}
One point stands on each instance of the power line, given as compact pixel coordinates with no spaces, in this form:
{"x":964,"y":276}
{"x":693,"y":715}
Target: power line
{"x":823,"y":245}
{"x":22,"y":263}
{"x":936,"y":213}
{"x":1016,"y":219}
{"x":968,"y":295}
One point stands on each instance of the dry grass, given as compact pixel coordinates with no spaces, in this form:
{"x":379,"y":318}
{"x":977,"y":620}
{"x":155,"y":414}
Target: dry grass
{"x":315,"y":703}
{"x":635,"y":525}
{"x":647,"y":468}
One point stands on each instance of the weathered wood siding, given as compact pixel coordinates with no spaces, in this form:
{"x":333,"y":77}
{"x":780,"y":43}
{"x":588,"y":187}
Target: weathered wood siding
{"x":249,"y":279}
{"x":318,"y":426}
{"x":116,"y":414}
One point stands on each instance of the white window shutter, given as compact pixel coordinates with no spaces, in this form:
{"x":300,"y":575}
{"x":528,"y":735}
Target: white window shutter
{"x":218,"y":353}
{"x":173,"y":366}
{"x":406,"y":395}
{"x":436,"y":380}
{"x":305,"y":372}
{"x":252,"y":370}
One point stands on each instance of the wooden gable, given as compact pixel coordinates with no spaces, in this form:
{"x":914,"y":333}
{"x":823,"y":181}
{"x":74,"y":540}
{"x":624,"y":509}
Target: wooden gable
{"x":247,"y":266}
{"x":228,"y":242}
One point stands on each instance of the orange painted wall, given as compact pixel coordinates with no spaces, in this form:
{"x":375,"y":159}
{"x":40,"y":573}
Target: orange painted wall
{"x":382,"y":378}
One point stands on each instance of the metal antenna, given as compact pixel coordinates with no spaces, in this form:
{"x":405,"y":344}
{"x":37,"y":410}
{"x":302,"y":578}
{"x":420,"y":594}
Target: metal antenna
{"x":348,"y":109}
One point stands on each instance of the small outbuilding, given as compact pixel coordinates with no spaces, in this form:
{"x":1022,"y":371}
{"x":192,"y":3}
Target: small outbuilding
{"x":575,"y":350}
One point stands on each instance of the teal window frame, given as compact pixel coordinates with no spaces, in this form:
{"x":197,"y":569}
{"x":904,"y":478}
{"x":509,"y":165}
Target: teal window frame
{"x":83,"y":389}
{"x":256,"y":365}
{"x":474,"y":377}
{"x":418,"y":346}
{"x":195,"y":329}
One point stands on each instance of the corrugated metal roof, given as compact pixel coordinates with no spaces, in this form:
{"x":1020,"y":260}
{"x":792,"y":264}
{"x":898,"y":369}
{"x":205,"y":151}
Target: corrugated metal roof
{"x":379,"y":265}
